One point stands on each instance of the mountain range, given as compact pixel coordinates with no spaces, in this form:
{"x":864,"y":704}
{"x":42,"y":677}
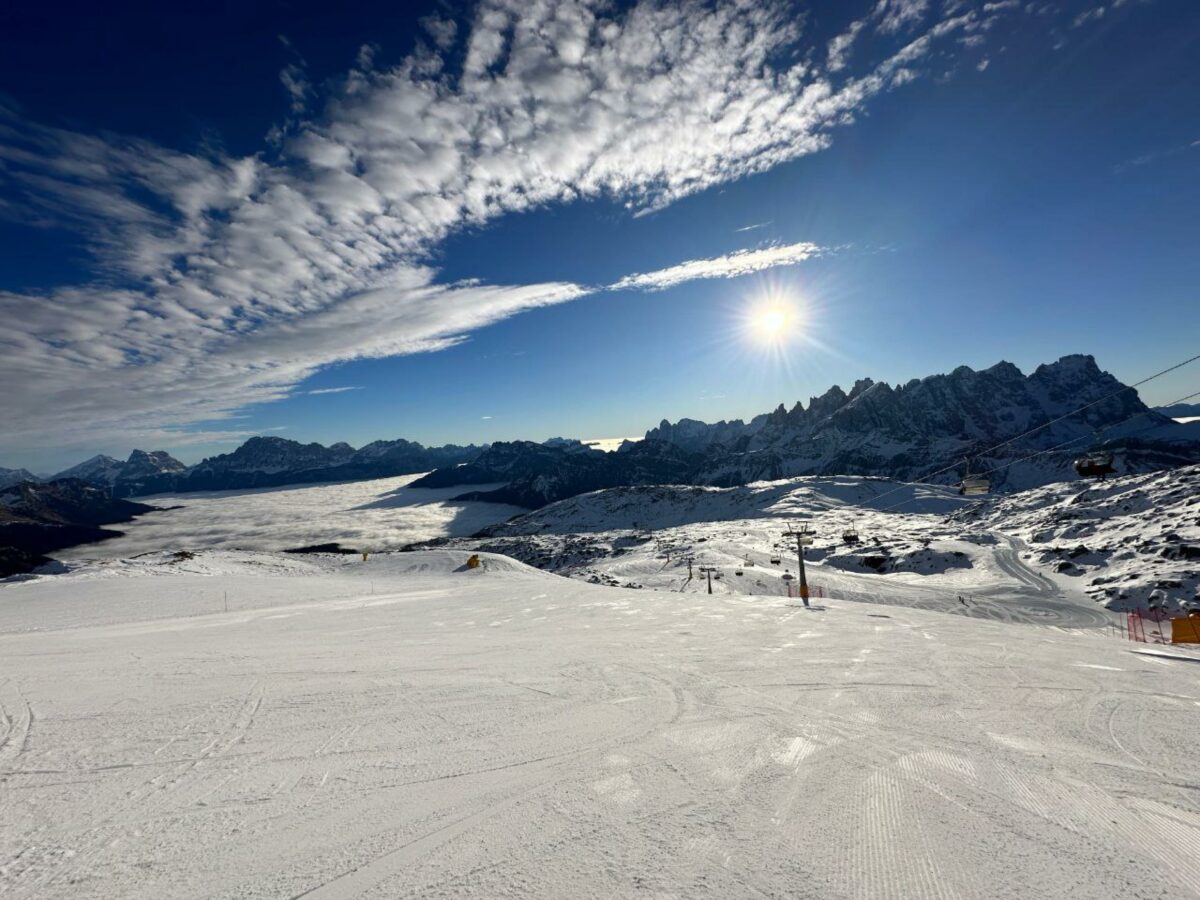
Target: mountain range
{"x":260,"y":462}
{"x":1021,"y":431}
{"x":907,"y":432}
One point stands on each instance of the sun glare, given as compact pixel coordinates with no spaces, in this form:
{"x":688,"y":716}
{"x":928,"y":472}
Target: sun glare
{"x":772,"y":323}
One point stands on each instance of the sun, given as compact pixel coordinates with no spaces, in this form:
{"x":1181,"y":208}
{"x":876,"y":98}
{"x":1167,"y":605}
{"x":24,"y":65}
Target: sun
{"x":771,"y":323}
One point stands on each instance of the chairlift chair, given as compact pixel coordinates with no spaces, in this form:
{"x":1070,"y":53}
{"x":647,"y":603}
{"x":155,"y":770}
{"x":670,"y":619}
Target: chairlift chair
{"x":1095,"y":465}
{"x":850,"y":535}
{"x":973,"y":485}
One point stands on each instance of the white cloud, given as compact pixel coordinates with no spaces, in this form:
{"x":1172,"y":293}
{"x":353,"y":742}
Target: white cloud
{"x":441,"y":30}
{"x":1089,"y":15}
{"x":743,"y":262}
{"x":222,"y":282}
{"x":334,"y":390}
{"x":297,"y":86}
{"x":838,"y":52}
{"x":1155,"y":156}
{"x":895,"y":15}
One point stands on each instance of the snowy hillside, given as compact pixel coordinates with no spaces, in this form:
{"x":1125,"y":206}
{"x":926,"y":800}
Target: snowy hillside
{"x":405,"y":727}
{"x":1067,"y":546}
{"x":1120,"y":540}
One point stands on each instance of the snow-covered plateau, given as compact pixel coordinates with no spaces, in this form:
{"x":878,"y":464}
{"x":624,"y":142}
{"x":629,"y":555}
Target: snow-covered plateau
{"x":249,"y":724}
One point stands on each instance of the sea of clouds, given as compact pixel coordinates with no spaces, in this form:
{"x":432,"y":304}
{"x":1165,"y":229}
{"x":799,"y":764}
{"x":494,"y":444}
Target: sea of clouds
{"x":382,"y":514}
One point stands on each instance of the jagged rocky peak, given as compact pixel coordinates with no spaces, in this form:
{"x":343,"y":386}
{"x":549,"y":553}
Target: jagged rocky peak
{"x":151,"y":462}
{"x":100,"y":469}
{"x":1005,"y":370}
{"x":827,"y":404}
{"x":905,"y":431}
{"x":266,"y":454}
{"x":860,"y":387}
{"x":566,"y":443}
{"x":1082,"y":363}
{"x":1078,"y":375}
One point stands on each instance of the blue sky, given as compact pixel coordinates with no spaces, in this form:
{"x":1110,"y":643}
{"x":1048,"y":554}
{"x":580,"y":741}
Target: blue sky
{"x":470,"y":222}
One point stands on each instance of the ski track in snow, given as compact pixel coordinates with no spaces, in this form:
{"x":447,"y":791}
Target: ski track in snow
{"x":397,"y":728}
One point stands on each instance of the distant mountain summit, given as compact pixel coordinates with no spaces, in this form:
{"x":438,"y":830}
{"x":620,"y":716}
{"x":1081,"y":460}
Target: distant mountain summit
{"x":15,"y":476}
{"x":126,"y":478}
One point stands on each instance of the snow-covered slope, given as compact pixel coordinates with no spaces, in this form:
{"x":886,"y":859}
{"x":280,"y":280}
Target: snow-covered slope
{"x":1063,"y":546}
{"x":1120,"y":540}
{"x":406,"y":728}
{"x":665,"y":506}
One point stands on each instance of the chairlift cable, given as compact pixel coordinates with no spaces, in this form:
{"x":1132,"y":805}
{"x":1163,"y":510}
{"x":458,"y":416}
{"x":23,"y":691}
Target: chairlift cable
{"x":1081,"y":437}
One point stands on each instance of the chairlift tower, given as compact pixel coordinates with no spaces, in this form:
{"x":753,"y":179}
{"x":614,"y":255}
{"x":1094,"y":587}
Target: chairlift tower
{"x":803,"y":539}
{"x":708,"y":572}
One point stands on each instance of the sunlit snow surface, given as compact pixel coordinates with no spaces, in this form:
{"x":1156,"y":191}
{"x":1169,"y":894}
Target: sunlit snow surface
{"x":370,"y":515}
{"x":405,"y":728}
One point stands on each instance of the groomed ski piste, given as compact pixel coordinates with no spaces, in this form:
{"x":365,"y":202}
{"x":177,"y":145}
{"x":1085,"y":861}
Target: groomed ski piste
{"x":253,"y":724}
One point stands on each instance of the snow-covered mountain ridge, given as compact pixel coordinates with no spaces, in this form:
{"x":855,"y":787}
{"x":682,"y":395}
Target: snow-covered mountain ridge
{"x":1020,"y":431}
{"x":261,"y":462}
{"x":904,"y":432}
{"x":909,"y":430}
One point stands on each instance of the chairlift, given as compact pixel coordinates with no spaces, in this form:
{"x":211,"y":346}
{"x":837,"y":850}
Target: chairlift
{"x":775,"y":560}
{"x":973,"y":485}
{"x":850,"y":535}
{"x":738,"y":572}
{"x":1095,"y":465}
